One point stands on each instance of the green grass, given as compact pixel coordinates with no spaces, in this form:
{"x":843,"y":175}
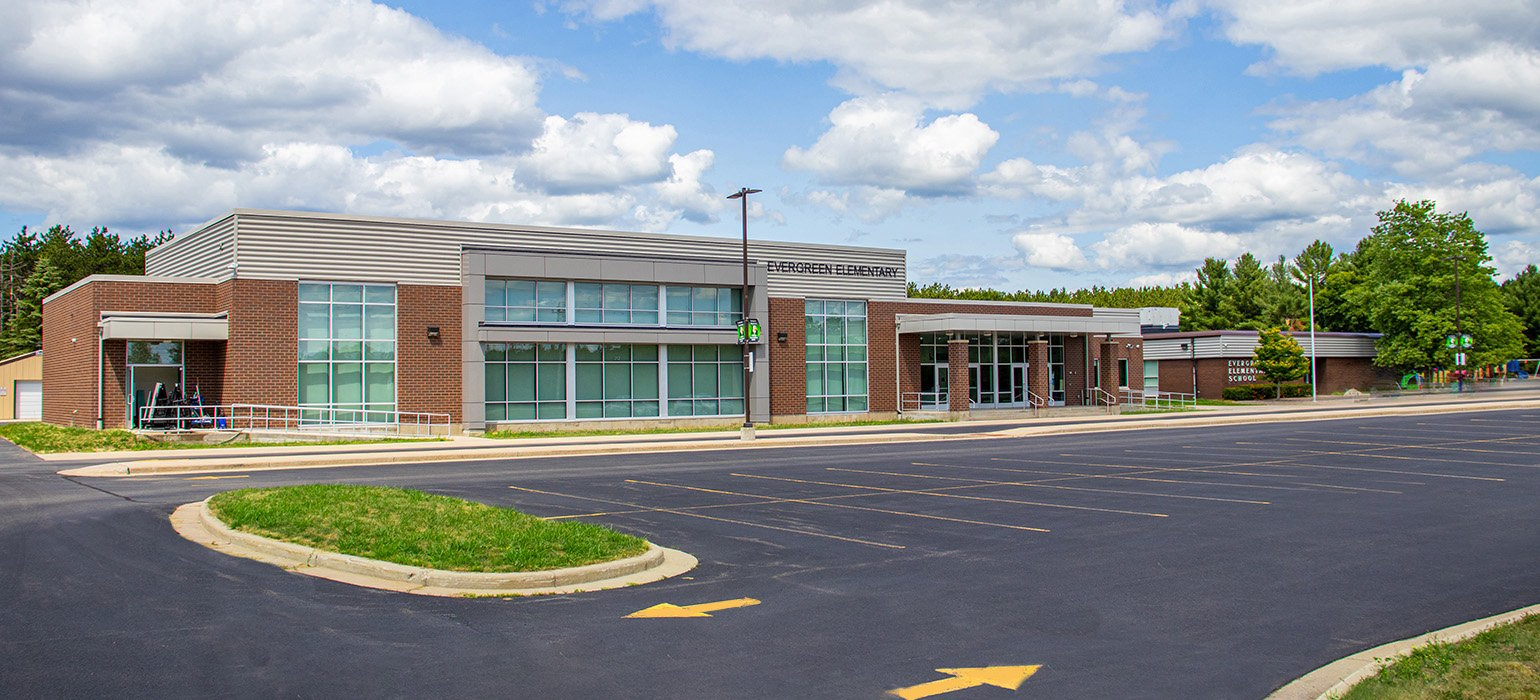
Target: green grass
{"x":1501,"y":663}
{"x":419,"y":529}
{"x":44,"y":438}
{"x":525,"y":434}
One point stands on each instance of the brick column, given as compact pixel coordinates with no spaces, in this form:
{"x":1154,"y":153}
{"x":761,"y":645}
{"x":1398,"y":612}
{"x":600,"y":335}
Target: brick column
{"x":1109,"y":368}
{"x":1038,"y":379}
{"x":957,"y":375}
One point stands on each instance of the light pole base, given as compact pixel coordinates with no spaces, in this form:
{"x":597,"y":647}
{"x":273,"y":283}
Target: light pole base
{"x":746,"y":433}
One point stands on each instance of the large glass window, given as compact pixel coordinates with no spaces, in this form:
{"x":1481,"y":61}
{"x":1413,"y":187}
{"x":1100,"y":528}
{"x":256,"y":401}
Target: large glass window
{"x":704,"y":306}
{"x":621,"y":304}
{"x":526,"y":381}
{"x":616,"y":381}
{"x":147,"y":352}
{"x":526,"y":301}
{"x":705,"y":380}
{"x":347,"y":350}
{"x":836,"y":356}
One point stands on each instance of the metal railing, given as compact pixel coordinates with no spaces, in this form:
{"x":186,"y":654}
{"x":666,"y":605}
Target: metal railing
{"x":1036,"y":401}
{"x":923,"y":401}
{"x":1097,"y":396}
{"x":1159,"y":399}
{"x":297,"y":419}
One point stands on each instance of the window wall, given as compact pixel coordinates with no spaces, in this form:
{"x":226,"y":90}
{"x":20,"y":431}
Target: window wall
{"x":836,"y":356}
{"x":347,"y":350}
{"x":705,"y":380}
{"x":617,"y":381}
{"x":526,"y":381}
{"x":518,"y":301}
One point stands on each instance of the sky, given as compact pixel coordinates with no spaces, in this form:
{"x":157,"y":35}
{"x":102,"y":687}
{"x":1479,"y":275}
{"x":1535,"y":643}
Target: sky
{"x":1013,"y":144}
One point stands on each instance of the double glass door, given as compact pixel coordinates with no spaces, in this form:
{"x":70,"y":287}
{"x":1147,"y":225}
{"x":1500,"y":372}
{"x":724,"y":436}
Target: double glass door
{"x":998,"y":385}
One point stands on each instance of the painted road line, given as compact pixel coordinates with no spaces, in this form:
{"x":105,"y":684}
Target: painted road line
{"x":1130,"y":477}
{"x":672,"y":511}
{"x":982,"y":483}
{"x":1450,"y":446}
{"x":1041,"y":485}
{"x":1375,"y":453}
{"x":1007,"y":677}
{"x":1291,"y":463}
{"x":663,"y":610}
{"x":925,"y":516}
{"x":211,"y":478}
{"x":938,"y":493}
{"x":1225,"y":469}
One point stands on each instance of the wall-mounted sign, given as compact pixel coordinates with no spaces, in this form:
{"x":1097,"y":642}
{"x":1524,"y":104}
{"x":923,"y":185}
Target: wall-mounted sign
{"x":802,"y":267}
{"x":1241,"y":372}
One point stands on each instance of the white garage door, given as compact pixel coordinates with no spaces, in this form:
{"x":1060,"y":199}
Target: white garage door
{"x":29,"y":400}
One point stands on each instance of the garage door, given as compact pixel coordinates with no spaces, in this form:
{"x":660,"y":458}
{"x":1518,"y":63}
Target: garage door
{"x":29,"y":400}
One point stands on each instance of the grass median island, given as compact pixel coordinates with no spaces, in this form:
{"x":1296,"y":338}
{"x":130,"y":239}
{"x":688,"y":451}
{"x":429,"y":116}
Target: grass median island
{"x":419,"y":529}
{"x":44,"y":438}
{"x":1503,"y":662}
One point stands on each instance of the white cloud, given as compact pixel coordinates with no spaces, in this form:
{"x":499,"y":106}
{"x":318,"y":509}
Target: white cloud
{"x":1513,"y":256}
{"x":597,"y":151}
{"x":882,"y":142}
{"x":869,"y":204}
{"x":1316,"y":36}
{"x":1054,"y":251}
{"x":949,"y":53}
{"x":1163,"y":279}
{"x":1162,"y":244}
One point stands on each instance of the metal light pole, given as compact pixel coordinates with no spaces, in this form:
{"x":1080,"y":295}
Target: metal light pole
{"x":1459,"y":329}
{"x":742,"y":195}
{"x":1312,"y":337}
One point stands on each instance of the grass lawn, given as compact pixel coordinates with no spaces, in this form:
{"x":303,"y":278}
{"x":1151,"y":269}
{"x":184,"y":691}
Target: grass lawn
{"x":523,"y":434}
{"x":45,"y":438}
{"x":419,"y":529}
{"x":1503,"y":662}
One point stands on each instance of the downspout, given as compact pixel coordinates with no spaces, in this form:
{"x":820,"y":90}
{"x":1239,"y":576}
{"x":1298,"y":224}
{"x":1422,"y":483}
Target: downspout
{"x":101,"y":342}
{"x":898,"y":370}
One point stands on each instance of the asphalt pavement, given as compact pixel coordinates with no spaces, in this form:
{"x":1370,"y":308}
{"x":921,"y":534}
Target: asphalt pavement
{"x":1204,"y":562}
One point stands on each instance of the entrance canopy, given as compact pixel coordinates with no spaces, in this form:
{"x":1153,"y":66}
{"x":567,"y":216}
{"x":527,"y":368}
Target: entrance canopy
{"x":1121,"y":322}
{"x":130,"y":325}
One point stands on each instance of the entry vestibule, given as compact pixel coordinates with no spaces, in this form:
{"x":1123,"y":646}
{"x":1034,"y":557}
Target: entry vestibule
{"x":998,"y":370}
{"x":151,"y":364}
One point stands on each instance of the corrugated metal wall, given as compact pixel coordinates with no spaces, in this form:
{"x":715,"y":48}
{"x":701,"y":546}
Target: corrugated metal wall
{"x":206,"y":252}
{"x":1245,"y":345}
{"x":298,"y":245}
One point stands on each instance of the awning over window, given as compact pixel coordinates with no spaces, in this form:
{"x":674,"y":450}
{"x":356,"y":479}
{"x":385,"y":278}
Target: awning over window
{"x":129,"y":325}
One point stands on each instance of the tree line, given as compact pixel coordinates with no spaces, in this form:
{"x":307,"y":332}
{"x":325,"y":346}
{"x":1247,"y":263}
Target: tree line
{"x":1417,"y":277}
{"x":33,"y":266}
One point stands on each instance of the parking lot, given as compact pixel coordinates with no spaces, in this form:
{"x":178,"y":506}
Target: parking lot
{"x":1207,"y":562}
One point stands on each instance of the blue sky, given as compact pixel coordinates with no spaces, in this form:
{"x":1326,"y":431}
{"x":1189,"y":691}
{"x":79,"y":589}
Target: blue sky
{"x":1002,"y":143}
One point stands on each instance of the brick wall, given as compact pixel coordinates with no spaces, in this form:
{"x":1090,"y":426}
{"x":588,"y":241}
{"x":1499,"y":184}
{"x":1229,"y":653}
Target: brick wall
{"x":958,"y":391}
{"x":69,"y":358}
{"x":909,"y":363}
{"x":1338,"y":374}
{"x":262,"y":356}
{"x":1076,"y":370}
{"x":428,"y":369}
{"x":788,"y":360}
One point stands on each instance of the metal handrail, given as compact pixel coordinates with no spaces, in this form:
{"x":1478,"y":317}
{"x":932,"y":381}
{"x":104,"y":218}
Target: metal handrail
{"x":1036,"y":401}
{"x":1159,"y":399}
{"x":1102,"y":397}
{"x":249,"y":417}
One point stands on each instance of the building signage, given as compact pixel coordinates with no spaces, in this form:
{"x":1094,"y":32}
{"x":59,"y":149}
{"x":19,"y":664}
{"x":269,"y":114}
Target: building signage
{"x":1240,"y":372}
{"x":803,"y":267}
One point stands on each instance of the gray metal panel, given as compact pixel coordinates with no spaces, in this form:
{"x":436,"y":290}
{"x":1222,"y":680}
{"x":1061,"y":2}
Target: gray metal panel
{"x":1242,"y":345}
{"x":209,"y":251}
{"x":299,"y":245}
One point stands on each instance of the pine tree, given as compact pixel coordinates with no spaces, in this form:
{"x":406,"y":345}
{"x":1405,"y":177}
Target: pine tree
{"x":23,"y":331}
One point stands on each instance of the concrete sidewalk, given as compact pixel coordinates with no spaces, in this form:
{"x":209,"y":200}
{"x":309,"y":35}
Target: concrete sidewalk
{"x":1516,"y":395}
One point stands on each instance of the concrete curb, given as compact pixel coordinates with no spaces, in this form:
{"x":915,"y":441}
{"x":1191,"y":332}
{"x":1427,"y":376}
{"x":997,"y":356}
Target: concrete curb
{"x":1337,"y":677}
{"x":193,"y":465}
{"x":195,"y":522}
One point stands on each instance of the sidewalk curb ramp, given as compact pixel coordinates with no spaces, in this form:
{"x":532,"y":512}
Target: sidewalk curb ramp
{"x":197,"y":523}
{"x":1336,"y":678}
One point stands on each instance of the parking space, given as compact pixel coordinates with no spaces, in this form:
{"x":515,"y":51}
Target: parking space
{"x":1216,"y":562}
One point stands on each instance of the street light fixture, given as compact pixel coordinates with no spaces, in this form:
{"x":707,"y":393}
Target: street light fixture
{"x":1459,"y":329}
{"x":742,"y":195}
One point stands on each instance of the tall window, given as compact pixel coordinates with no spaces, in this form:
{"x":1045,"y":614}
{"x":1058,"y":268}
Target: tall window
{"x":626,"y":304}
{"x":705,"y":380}
{"x":347,"y":350}
{"x":526,"y":381}
{"x":704,"y":306}
{"x":836,"y":356}
{"x":617,"y":381}
{"x":526,"y":301}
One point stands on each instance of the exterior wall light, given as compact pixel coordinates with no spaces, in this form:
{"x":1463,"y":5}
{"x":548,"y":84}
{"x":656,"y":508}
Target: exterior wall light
{"x":432,"y":331}
{"x":780,"y":336}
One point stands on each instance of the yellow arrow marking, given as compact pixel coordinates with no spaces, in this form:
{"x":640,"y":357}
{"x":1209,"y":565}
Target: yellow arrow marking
{"x":697,"y":610}
{"x":1007,"y":677}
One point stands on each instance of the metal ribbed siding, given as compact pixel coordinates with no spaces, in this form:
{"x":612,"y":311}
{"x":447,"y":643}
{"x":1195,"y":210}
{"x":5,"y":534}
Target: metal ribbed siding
{"x":1244,"y":346}
{"x":292,"y":245}
{"x":206,"y":252}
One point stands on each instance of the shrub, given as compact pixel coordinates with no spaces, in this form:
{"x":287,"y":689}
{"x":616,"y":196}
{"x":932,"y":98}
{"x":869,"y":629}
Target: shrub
{"x":1262,"y":392}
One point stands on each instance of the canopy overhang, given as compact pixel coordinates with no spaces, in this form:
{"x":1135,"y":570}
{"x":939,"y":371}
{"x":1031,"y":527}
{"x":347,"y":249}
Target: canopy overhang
{"x":1110,"y":322}
{"x":129,"y":325}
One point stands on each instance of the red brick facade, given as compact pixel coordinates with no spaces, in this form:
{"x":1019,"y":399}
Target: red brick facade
{"x":788,"y":359}
{"x":428,"y":368}
{"x":1336,"y":374}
